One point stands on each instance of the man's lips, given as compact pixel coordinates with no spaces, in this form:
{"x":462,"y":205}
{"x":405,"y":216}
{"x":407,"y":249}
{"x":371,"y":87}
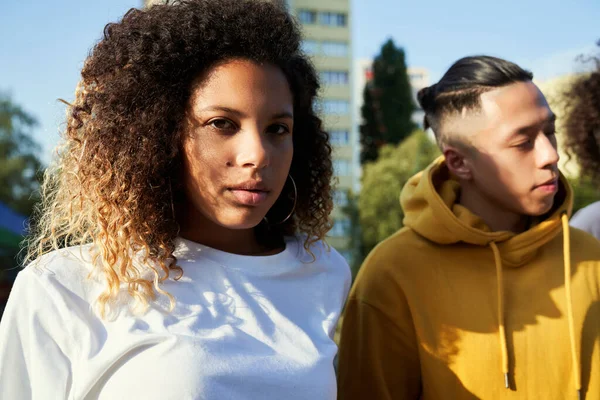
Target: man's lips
{"x":550,"y":186}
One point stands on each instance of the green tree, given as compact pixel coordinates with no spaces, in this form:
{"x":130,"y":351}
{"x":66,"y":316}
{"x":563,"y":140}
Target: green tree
{"x":371,"y":131}
{"x":19,"y":162}
{"x":378,"y":204}
{"x":355,"y":235}
{"x":585,"y":192}
{"x":388,"y":103}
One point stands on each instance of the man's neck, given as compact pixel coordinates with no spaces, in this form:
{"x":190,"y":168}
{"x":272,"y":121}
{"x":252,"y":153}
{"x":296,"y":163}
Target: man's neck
{"x":496,"y":218}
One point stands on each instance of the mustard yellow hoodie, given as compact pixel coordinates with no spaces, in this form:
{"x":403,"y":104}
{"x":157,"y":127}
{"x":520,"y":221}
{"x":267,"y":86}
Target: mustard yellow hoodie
{"x":447,"y":309}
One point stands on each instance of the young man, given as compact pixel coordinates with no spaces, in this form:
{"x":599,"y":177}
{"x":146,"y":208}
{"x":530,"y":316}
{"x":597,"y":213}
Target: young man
{"x":485,"y":293}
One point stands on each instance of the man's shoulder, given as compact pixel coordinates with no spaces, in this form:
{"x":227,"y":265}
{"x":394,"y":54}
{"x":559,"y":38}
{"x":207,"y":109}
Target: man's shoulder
{"x":403,"y":239}
{"x":393,"y":259}
{"x":404,"y":246}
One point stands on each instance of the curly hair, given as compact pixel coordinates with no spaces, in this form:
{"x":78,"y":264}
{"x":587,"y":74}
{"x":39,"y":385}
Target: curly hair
{"x":582,"y":122}
{"x":116,"y":172}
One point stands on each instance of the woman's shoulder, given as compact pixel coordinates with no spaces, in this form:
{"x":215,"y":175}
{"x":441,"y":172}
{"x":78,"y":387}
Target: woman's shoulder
{"x":588,"y":219}
{"x":64,"y":272}
{"x":55,"y":293}
{"x":335,"y":271}
{"x":591,"y":210}
{"x":324,"y":255}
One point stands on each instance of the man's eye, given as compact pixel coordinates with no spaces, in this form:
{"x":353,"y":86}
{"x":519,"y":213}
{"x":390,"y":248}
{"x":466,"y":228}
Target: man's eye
{"x":525,"y":144}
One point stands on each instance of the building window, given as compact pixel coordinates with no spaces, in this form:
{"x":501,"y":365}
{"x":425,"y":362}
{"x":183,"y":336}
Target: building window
{"x":334,"y":49}
{"x":332,"y":19}
{"x":340,"y":198}
{"x":307,"y":17}
{"x":339,"y":138}
{"x":334,"y":77}
{"x":317,"y":105}
{"x":336,"y":107}
{"x":341,"y":227}
{"x":310,"y":47}
{"x":341,"y":167}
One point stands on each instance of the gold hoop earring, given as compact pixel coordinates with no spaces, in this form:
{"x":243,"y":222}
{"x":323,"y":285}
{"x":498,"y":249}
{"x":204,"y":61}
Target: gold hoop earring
{"x":293,"y":207}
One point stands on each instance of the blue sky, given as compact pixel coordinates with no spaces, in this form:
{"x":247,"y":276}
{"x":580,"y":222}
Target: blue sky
{"x":44,"y":42}
{"x":542,"y":35}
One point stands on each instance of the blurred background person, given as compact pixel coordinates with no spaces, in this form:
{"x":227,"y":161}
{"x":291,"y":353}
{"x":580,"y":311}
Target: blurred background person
{"x":581,"y":128}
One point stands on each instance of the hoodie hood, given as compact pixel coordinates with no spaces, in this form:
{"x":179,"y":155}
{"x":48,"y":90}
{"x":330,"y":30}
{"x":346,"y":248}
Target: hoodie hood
{"x":429,"y":201}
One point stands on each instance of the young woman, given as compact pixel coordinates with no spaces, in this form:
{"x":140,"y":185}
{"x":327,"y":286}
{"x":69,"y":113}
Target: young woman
{"x":177,"y":252}
{"x":582,"y":129}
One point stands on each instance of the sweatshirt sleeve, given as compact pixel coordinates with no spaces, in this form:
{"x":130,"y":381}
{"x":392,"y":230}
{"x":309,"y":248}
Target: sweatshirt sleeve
{"x":379,"y":353}
{"x":34,"y":343}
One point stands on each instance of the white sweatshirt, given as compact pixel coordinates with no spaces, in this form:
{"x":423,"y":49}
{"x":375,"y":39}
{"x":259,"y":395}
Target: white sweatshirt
{"x":243,"y":328}
{"x":588,"y":219}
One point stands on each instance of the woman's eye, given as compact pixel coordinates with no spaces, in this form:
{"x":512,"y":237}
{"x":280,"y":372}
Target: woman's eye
{"x":222,"y":124}
{"x":278,"y":129}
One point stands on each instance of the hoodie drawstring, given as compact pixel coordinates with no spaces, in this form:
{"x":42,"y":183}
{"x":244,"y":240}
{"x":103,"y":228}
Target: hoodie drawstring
{"x":567,"y":263}
{"x":501,"y":327}
{"x":502,"y":331}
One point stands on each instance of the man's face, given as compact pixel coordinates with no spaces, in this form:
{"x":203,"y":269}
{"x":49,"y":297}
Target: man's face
{"x":514,"y":161}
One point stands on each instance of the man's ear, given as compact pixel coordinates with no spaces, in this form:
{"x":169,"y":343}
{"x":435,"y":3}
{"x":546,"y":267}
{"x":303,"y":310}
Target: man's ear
{"x":457,"y":162}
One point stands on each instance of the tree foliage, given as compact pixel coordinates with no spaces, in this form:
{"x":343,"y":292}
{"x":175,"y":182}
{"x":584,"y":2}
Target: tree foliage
{"x":388,"y":103}
{"x":355,"y":234}
{"x":19,"y":162}
{"x":378,"y":205}
{"x":585,"y":192}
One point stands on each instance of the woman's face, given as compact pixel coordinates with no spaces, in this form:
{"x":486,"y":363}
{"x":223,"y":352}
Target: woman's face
{"x":238,"y":151}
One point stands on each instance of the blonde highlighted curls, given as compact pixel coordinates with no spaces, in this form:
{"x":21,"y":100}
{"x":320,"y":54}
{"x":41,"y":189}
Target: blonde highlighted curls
{"x":116,"y":174}
{"x":86,"y":199}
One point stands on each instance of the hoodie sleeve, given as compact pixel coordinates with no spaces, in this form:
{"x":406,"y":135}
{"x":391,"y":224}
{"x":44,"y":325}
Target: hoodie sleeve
{"x":34,"y":344}
{"x":379,"y":357}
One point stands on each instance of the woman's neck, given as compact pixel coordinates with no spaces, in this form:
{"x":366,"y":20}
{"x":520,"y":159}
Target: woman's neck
{"x":196,"y":227}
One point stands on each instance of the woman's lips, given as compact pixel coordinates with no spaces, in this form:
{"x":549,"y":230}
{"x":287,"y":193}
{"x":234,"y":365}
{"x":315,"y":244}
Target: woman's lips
{"x":250,"y":197}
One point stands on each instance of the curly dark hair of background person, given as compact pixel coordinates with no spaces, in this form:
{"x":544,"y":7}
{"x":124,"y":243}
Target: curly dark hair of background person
{"x":117,"y":171}
{"x":582,"y":122}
